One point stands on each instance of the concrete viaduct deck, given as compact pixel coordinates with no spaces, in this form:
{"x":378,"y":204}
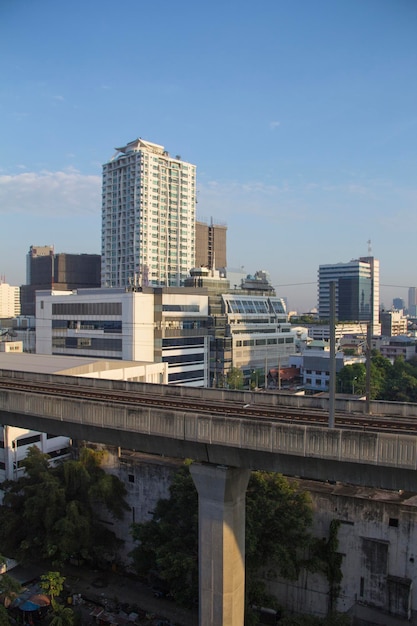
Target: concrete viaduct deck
{"x":224,"y":449}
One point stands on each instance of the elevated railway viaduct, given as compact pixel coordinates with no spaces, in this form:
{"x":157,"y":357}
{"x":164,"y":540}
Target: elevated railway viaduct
{"x":227,"y":434}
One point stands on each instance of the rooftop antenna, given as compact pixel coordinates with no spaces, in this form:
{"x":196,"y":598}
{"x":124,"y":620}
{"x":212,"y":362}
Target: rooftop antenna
{"x":369,"y":247}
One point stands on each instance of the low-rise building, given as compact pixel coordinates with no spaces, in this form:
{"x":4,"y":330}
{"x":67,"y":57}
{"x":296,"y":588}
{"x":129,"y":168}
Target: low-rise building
{"x":314,"y":365}
{"x":401,"y":346}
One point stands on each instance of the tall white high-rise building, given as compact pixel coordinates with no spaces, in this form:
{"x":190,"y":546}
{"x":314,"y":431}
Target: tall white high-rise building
{"x":148,"y":217}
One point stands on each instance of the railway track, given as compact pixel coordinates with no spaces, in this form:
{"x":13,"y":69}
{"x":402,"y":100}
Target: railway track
{"x":224,"y":408}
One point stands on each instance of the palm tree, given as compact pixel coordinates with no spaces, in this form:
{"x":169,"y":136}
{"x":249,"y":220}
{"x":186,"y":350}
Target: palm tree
{"x":52,"y":583}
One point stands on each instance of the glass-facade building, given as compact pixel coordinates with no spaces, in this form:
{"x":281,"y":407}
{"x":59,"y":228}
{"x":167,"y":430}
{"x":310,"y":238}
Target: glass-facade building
{"x":356,"y":290}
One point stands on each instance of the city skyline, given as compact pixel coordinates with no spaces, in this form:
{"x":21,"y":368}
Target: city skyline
{"x":300,"y":118}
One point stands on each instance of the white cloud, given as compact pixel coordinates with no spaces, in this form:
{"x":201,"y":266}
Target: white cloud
{"x":274,"y":125}
{"x":54,"y":194}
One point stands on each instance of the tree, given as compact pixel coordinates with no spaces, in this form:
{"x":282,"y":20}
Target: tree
{"x":52,"y":583}
{"x":62,"y":615}
{"x":235,"y":378}
{"x":275,"y":509}
{"x":9,"y":589}
{"x":168,"y":544}
{"x":54,"y":512}
{"x":352,"y":379}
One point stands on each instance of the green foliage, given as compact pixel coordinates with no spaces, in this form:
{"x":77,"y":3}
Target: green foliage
{"x":235,"y":378}
{"x":169,"y":542}
{"x":397,"y":382}
{"x":352,"y":379}
{"x":62,"y":616}
{"x":278,"y":518}
{"x":53,"y":512}
{"x":9,"y":589}
{"x":52,"y":583}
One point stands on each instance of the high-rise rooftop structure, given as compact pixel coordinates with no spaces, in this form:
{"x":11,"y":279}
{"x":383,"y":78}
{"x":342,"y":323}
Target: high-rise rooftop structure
{"x":148,"y":217}
{"x":356,"y":290}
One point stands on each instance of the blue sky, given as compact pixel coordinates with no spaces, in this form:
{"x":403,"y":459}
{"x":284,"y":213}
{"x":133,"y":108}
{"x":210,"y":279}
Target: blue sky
{"x":301,"y":116}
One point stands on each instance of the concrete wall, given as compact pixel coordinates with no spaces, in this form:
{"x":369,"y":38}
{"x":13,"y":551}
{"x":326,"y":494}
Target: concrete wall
{"x":321,"y":403}
{"x":378,"y":540}
{"x":147,"y":480}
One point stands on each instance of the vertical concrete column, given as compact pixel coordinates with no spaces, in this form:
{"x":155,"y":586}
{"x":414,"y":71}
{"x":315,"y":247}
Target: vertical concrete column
{"x":221,"y":514}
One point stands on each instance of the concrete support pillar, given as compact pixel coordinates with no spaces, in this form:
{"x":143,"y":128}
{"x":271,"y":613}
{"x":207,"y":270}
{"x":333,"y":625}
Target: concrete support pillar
{"x":221,"y":511}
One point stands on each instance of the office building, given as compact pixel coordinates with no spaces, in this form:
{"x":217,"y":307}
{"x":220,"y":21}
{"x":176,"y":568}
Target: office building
{"x":151,"y":325}
{"x":210,"y":245}
{"x":412,"y":301}
{"x":356,"y":291}
{"x":9,"y":300}
{"x":62,"y":271}
{"x":148,"y":217}
{"x":34,"y":253}
{"x":248,"y":328}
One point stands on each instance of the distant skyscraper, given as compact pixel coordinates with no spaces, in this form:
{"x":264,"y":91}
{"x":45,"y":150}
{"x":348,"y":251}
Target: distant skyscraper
{"x":356,"y":287}
{"x":210,"y":245}
{"x":412,"y":301}
{"x":148,"y":217}
{"x":398,"y":304}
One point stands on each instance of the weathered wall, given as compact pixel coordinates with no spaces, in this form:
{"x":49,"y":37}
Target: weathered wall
{"x":147,"y":479}
{"x":378,"y":540}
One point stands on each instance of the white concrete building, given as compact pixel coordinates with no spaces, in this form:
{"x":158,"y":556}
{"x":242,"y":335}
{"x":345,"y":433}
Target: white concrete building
{"x":9,"y":300}
{"x":161,"y":325}
{"x":148,"y":217}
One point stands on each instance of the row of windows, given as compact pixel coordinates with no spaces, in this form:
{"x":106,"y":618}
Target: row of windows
{"x":178,"y":342}
{"x":195,"y":375}
{"x":184,"y":358}
{"x":87,"y":308}
{"x":107,"y":326}
{"x":88,"y":343}
{"x":263,"y":342}
{"x":185,"y":308}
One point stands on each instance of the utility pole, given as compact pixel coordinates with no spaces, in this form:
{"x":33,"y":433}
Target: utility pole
{"x":332,"y":356}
